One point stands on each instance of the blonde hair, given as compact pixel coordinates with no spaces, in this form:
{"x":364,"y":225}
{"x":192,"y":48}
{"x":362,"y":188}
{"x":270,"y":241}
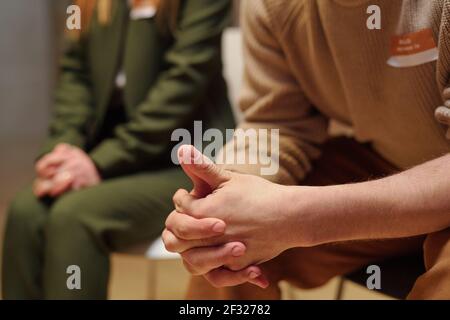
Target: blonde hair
{"x":166,"y":16}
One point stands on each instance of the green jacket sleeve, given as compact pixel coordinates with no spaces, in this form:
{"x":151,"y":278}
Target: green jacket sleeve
{"x":73,"y":99}
{"x":192,"y":59}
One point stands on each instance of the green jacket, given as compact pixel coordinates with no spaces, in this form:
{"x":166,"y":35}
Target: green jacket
{"x":172,"y":80}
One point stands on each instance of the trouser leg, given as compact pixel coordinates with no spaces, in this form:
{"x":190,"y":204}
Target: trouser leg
{"x":85,"y":226}
{"x":23,"y":247}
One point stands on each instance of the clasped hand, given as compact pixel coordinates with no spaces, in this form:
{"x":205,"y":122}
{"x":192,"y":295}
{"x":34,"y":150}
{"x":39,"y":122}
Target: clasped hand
{"x":65,"y":168}
{"x":229,"y":223}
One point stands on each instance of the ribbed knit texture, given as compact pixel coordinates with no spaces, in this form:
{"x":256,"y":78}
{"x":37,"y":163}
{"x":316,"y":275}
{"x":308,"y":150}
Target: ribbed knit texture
{"x":308,"y":61}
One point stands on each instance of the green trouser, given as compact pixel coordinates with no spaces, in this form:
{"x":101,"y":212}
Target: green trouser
{"x":82,"y":228}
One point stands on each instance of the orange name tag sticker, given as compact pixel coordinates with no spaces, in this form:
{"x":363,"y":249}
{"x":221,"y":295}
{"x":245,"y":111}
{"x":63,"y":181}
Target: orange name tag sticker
{"x":413,"y":49}
{"x":143,"y":9}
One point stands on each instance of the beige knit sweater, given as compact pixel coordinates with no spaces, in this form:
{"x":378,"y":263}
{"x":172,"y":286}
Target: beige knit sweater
{"x":309,"y":61}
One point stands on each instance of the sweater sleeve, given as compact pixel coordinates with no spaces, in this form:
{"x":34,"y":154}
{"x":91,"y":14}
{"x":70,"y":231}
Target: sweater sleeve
{"x":73,"y":99}
{"x":271,"y":98}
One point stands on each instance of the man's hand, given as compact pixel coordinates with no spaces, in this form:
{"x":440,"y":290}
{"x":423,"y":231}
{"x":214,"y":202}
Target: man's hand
{"x":258,"y":226}
{"x":65,"y":168}
{"x":443,"y":113}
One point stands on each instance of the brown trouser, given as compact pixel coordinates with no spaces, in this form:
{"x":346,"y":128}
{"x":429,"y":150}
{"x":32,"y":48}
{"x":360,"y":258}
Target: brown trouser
{"x":344,"y":161}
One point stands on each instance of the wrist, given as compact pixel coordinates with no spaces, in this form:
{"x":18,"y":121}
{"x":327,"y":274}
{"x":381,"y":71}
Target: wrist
{"x":300,"y":220}
{"x":314,"y":215}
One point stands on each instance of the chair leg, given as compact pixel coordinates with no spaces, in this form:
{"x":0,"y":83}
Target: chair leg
{"x":291,"y":292}
{"x":340,"y":289}
{"x":152,"y":285}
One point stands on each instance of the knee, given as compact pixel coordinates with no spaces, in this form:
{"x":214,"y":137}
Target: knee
{"x":23,"y":211}
{"x":74,"y":219}
{"x":24,"y":224}
{"x":65,"y":214}
{"x":73,"y":211}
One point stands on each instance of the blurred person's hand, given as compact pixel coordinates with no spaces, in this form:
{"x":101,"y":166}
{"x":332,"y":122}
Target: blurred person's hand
{"x":243,"y":222}
{"x":65,"y":168}
{"x":47,"y":166}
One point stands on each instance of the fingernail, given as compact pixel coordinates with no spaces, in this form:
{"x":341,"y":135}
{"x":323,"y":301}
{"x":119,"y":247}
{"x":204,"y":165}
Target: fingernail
{"x":253,"y":275}
{"x":219,"y":227}
{"x":196,"y":156}
{"x":238,"y":251}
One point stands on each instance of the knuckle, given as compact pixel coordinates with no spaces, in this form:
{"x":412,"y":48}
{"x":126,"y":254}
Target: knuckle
{"x":182,"y":231}
{"x":169,"y":243}
{"x":208,"y":242}
{"x":164,"y":237}
{"x":169,"y":221}
{"x":170,"y":246}
{"x":191,"y":269}
{"x":193,"y":260}
{"x":184,"y":202}
{"x":234,"y":266}
{"x":178,"y":194}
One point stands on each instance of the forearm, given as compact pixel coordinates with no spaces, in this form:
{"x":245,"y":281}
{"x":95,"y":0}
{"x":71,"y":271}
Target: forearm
{"x":410,"y":203}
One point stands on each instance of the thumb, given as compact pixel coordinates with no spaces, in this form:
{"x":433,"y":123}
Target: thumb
{"x":205,"y":175}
